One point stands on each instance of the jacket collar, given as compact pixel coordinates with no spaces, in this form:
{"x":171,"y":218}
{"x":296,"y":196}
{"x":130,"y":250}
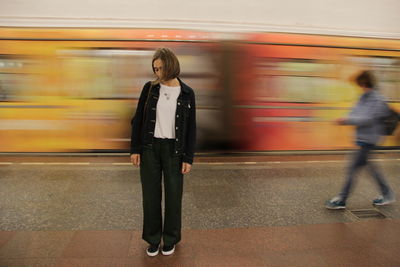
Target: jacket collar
{"x":185,"y":88}
{"x":367,"y":94}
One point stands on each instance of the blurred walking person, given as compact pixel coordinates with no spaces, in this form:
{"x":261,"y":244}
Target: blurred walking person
{"x":162,"y":144}
{"x":367,"y":116}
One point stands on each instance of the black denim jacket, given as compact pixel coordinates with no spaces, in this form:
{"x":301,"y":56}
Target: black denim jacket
{"x":144,"y":121}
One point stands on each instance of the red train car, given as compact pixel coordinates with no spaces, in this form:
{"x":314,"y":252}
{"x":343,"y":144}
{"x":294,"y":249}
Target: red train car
{"x":291,"y":87}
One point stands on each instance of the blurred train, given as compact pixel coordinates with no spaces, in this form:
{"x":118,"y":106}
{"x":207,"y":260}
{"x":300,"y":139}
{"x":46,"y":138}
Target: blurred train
{"x":75,"y":90}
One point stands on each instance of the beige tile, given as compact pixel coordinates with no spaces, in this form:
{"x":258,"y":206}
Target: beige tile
{"x":293,"y":258}
{"x":106,"y":262}
{"x":363,"y":257}
{"x":391,"y":251}
{"x":336,"y":235}
{"x":5,"y":236}
{"x":101,"y":244}
{"x":229,"y":261}
{"x":27,"y":262}
{"x":377,"y":231}
{"x":137,"y":245}
{"x":37,"y":244}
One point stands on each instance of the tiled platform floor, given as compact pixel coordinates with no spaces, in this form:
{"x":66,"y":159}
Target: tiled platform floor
{"x":366,"y":243}
{"x":258,"y":211}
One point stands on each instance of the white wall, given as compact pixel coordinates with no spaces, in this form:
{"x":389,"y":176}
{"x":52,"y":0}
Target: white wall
{"x":377,"y":18}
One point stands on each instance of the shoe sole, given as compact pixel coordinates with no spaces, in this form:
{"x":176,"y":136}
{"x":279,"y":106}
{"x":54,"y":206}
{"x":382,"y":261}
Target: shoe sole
{"x":152,"y":254}
{"x":167,"y":253}
{"x":335,"y":208}
{"x":384,"y":203}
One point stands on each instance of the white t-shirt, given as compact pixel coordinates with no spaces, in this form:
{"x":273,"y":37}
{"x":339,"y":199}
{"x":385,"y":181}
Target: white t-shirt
{"x":166,"y":109}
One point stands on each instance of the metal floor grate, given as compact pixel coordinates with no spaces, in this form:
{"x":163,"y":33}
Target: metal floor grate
{"x":368,"y":214}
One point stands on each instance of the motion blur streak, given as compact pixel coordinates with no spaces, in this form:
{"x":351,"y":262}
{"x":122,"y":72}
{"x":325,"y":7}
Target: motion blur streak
{"x":64,"y":90}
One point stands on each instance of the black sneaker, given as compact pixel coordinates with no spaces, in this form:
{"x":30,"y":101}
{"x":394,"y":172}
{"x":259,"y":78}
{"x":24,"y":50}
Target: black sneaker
{"x":152,"y":250}
{"x":168,"y":250}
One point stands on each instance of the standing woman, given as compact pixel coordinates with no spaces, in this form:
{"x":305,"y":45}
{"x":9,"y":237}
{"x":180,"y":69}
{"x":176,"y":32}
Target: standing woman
{"x":162,"y":144}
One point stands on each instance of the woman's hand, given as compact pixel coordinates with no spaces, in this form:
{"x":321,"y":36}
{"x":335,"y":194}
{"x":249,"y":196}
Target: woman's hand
{"x":135,"y":159}
{"x":186,"y":167}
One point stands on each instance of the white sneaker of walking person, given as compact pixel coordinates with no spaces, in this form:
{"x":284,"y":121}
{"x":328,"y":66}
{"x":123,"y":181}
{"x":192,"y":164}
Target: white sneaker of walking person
{"x":335,"y":203}
{"x":384,"y":200}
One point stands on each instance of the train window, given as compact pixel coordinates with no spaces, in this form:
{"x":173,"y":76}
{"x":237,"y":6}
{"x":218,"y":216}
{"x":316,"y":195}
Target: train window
{"x":106,"y":73}
{"x":121,"y":73}
{"x":199,"y":71}
{"x":296,"y":80}
{"x":17,"y":78}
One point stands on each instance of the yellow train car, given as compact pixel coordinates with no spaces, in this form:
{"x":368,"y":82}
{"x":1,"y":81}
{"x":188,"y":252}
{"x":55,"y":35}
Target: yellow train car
{"x":64,"y":90}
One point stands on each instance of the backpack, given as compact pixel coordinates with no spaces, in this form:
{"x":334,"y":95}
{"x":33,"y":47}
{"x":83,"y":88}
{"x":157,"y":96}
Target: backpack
{"x":390,"y":122}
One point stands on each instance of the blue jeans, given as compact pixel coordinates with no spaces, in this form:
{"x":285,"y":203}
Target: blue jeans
{"x":360,"y":160}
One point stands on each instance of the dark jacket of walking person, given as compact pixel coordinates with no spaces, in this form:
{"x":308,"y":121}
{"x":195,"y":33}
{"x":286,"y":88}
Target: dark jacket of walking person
{"x":367,"y":115}
{"x":162,"y":144}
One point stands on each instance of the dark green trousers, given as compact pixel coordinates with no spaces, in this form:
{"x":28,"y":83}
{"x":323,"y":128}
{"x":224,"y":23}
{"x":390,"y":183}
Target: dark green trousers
{"x":159,"y":161}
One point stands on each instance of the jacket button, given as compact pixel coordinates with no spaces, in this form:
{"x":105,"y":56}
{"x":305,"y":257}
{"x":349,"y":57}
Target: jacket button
{"x":176,"y":152}
{"x":179,"y":103}
{"x":153,"y":108}
{"x":177,"y":139}
{"x":177,"y":116}
{"x":176,"y":128}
